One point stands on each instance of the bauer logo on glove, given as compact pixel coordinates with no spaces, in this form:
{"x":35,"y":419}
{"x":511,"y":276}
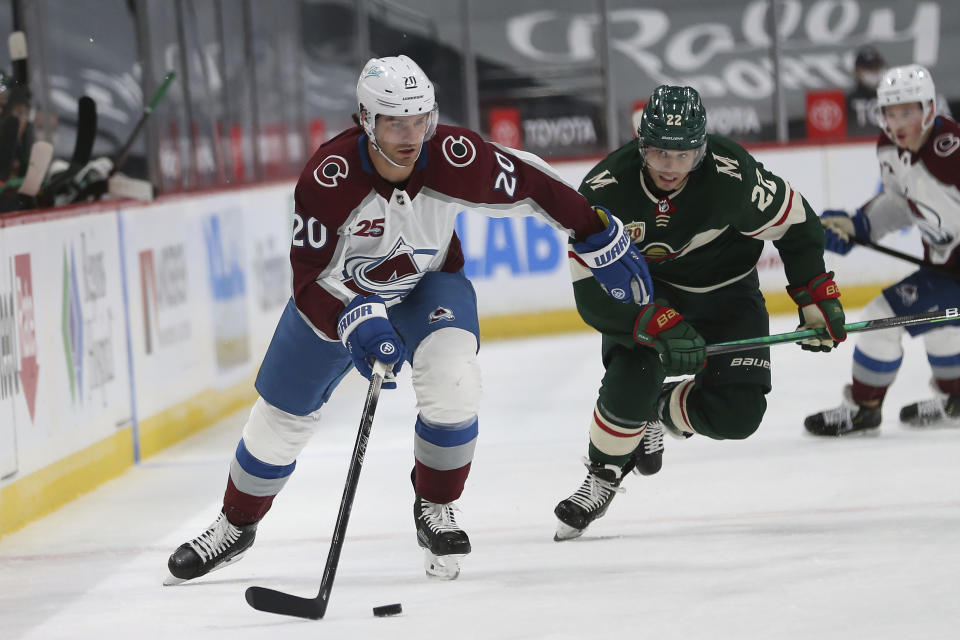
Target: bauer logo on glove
{"x":819,"y":308}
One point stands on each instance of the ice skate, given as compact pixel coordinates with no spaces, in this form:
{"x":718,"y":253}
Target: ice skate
{"x":848,"y":418}
{"x":220,"y":545}
{"x":940,"y":411}
{"x":589,"y":502}
{"x":442,"y":539}
{"x":648,"y":457}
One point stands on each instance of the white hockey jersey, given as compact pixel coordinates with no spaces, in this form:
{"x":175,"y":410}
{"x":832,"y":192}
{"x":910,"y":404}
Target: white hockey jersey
{"x":354,"y":233}
{"x":922,"y":189}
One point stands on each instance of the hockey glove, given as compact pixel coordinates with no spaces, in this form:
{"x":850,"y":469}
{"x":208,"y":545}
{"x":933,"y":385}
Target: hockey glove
{"x":366,"y":332}
{"x":682,"y":349}
{"x":615,"y":262}
{"x":819,"y":307}
{"x":840,"y":229}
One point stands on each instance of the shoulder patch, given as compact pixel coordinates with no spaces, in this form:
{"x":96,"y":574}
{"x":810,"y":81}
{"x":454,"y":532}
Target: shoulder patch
{"x":330,"y":170}
{"x":600,"y":180}
{"x":458,"y":151}
{"x":945,"y":144}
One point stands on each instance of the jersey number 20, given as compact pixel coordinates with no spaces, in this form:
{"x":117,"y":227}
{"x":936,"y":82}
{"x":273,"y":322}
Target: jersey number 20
{"x":316,"y":232}
{"x":505,"y":179}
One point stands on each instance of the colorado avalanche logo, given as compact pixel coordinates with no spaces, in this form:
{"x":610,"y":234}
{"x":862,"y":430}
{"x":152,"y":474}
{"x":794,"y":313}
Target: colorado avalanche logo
{"x":458,"y":151}
{"x":945,"y":144}
{"x":930,"y":224}
{"x":908,"y":293}
{"x":331,"y":169}
{"x":388,"y":276}
{"x":441,"y":313}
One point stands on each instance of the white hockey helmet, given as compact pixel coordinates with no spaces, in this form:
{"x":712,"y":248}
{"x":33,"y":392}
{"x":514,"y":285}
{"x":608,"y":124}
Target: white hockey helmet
{"x":395,"y":86}
{"x":906,"y":84}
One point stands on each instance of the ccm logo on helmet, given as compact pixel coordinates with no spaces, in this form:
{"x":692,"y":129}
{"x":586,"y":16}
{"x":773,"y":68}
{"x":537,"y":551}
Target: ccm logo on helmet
{"x":331,"y":169}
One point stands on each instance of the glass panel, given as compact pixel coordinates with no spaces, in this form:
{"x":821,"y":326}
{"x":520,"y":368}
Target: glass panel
{"x":237,"y":139}
{"x":175,"y":147}
{"x":99,"y":61}
{"x":330,"y":66}
{"x":205,"y":88}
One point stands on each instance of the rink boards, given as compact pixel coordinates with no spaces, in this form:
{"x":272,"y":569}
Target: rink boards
{"x":125,"y":328}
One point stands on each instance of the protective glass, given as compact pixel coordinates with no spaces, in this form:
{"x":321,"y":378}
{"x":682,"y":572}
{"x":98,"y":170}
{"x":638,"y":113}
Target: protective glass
{"x":895,"y":116}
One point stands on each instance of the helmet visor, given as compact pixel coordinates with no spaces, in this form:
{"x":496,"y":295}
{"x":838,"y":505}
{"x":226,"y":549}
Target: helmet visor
{"x":411,"y":130}
{"x":672,"y":160}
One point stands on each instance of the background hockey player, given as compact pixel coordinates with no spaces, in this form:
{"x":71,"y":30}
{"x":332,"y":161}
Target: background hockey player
{"x":698,"y":207}
{"x":920,"y":168}
{"x":377,"y":274}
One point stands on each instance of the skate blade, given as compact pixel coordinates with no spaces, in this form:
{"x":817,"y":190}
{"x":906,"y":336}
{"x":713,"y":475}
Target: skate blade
{"x":172,"y":581}
{"x":441,"y":567}
{"x":943,"y":423}
{"x":566,"y":532}
{"x":859,"y":433}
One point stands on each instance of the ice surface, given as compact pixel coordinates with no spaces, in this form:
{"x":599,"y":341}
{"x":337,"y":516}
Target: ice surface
{"x":778,"y":536}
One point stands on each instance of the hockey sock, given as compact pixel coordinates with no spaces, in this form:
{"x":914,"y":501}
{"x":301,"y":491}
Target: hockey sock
{"x":611,"y":443}
{"x":443,"y":455}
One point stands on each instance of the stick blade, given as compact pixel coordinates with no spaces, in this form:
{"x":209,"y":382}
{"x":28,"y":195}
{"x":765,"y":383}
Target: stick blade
{"x":126,"y":187}
{"x":86,"y":131}
{"x":17,"y":42}
{"x":285,"y":604}
{"x":41,"y":154}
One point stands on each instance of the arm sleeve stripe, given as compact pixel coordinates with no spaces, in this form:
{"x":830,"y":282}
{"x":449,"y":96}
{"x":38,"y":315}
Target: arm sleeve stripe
{"x":770,"y":231}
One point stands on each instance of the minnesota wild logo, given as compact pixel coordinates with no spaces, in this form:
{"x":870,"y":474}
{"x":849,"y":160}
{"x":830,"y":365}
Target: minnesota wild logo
{"x":659,"y":251}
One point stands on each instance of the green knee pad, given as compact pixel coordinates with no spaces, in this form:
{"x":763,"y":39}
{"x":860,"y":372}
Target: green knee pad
{"x":726,"y":412}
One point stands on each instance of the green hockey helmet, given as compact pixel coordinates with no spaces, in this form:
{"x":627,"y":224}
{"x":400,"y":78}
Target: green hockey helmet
{"x":674,"y":119}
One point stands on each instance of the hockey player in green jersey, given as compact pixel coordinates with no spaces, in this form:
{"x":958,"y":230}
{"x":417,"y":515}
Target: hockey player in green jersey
{"x":699,"y":208}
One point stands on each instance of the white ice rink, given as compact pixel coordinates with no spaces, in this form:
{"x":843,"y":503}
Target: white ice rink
{"x":778,"y":536}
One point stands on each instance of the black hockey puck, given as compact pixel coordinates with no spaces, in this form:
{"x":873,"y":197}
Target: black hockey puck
{"x":388,"y":610}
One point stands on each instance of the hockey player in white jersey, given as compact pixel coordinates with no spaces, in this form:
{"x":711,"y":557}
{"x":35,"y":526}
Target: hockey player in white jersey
{"x":377,"y":275}
{"x":919,"y":154}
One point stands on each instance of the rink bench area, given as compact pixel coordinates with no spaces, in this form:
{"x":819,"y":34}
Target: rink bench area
{"x":127,"y":327}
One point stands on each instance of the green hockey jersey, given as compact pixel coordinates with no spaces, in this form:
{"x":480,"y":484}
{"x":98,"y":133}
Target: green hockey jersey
{"x":704,"y":235}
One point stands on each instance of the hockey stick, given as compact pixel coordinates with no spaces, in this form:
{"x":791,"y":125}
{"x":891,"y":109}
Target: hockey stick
{"x":908,"y":258}
{"x":8,"y":145}
{"x":946,"y":315}
{"x":41,"y":153}
{"x":17,"y":42}
{"x":121,"y":155}
{"x":102,"y":175}
{"x":82,"y":149}
{"x":23,"y":198}
{"x":287,"y":604}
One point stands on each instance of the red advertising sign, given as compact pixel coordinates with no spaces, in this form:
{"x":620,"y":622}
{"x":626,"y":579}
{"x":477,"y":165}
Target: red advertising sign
{"x":26,"y":324}
{"x":505,"y":127}
{"x":318,"y":134}
{"x":826,"y":114}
